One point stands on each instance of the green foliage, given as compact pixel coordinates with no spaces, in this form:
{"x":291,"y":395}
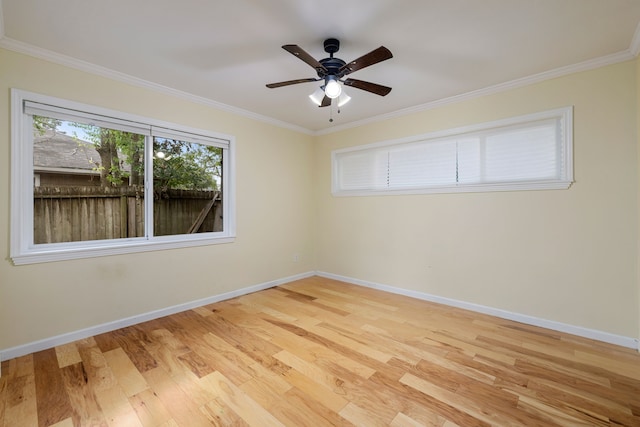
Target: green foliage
{"x":182,"y":165}
{"x":185,"y":165}
{"x":42,"y":124}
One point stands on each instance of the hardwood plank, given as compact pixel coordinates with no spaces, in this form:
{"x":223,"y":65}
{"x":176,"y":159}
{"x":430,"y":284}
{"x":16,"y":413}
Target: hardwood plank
{"x":51,"y":394}
{"x":116,"y":407}
{"x":107,"y":341}
{"x":317,"y":413}
{"x":313,"y":372}
{"x":131,"y":340}
{"x":149,"y":409}
{"x":316,"y":391}
{"x":220,"y":414}
{"x":67,"y":422}
{"x":20,"y":392}
{"x":196,"y":364}
{"x":361,"y":417}
{"x":67,"y":355}
{"x":227,"y":359}
{"x":4,"y":385}
{"x":104,"y":385}
{"x":166,"y":350}
{"x":402,"y":420}
{"x":252,"y":413}
{"x":130,"y":379}
{"x":474,"y":408}
{"x":86,"y":410}
{"x":181,"y":407}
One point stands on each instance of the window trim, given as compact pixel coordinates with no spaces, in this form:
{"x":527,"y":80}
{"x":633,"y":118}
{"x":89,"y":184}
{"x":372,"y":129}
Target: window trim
{"x":564,"y":114}
{"x":22,"y":249}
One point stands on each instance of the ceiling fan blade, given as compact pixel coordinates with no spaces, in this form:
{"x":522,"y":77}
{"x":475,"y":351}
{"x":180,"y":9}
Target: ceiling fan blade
{"x":377,"y":55}
{"x":290,"y":82}
{"x":296,"y":50}
{"x":326,"y":101}
{"x":368,"y":86}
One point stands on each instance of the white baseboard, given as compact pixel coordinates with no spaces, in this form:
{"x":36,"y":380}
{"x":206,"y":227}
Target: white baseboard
{"x":46,"y":343}
{"x":503,"y":314}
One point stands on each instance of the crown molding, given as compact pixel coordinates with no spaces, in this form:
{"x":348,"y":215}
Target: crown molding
{"x":28,"y":49}
{"x":490,"y":90}
{"x":634,"y":47}
{"x":67,"y":61}
{"x":1,"y":21}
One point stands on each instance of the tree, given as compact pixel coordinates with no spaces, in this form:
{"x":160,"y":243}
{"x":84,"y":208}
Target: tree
{"x":42,"y":124}
{"x":185,"y":165}
{"x":180,"y":165}
{"x":110,"y":144}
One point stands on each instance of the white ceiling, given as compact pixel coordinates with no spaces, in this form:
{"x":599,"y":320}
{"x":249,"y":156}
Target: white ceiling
{"x":225,"y":51}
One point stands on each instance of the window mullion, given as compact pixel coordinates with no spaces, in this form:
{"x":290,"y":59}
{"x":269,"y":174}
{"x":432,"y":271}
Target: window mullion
{"x":457,"y":163}
{"x":148,"y":187}
{"x":482,"y":157}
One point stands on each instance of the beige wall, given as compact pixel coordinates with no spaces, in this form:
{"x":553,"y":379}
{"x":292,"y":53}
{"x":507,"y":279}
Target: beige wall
{"x":569,"y":256}
{"x":274,"y":221}
{"x":638,"y":152}
{"x":564,"y":255}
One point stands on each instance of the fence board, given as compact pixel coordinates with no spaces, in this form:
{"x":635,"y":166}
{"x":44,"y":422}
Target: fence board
{"x":63,"y":214}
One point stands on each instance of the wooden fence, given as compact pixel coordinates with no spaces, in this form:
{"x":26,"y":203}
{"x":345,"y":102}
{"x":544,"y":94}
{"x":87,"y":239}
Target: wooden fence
{"x":71,"y":214}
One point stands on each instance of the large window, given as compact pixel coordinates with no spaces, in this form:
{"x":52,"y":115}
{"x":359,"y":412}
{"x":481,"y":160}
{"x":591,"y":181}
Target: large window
{"x":89,"y":182}
{"x":531,"y":152}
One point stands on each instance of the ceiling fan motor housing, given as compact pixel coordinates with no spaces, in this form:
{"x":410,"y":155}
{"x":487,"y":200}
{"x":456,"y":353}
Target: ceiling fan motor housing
{"x":332,"y":66}
{"x":331,"y":46}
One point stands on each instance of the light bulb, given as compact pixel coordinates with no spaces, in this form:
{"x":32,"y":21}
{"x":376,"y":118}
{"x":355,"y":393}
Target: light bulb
{"x":333,"y":89}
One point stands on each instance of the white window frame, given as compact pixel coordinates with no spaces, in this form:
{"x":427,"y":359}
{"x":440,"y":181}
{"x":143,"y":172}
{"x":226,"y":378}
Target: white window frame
{"x":24,"y":251}
{"x":564,"y":116}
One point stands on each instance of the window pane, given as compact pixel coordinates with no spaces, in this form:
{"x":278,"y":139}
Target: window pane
{"x":88,"y":182}
{"x":187,"y":187}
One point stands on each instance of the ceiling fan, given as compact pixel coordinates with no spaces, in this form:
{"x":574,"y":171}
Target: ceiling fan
{"x":333,"y":70}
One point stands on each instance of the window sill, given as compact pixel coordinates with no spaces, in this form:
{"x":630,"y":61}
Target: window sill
{"x":468,"y":188}
{"x":42,"y":253}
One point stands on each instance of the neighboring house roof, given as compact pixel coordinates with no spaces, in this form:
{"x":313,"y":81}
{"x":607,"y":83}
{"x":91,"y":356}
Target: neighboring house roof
{"x":61,"y":153}
{"x":57,"y":152}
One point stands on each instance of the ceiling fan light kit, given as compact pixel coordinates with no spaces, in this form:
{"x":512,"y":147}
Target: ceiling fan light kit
{"x":332,"y":71}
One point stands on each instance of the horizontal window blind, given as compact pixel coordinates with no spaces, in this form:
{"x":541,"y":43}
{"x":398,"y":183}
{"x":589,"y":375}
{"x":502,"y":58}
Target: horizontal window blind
{"x":527,"y":152}
{"x":60,"y":113}
{"x":161,"y":132}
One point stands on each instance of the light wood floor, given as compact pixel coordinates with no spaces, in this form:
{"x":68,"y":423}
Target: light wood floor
{"x":320,"y":352}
